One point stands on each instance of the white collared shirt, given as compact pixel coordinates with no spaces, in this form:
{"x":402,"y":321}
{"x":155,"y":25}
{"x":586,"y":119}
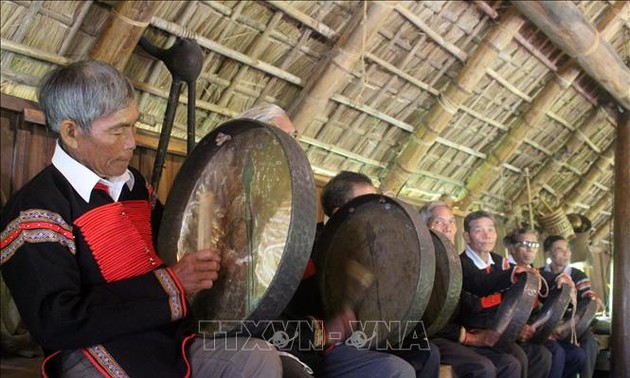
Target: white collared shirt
{"x":84,"y":179}
{"x":511,"y":259}
{"x":567,"y":269}
{"x":476,"y":259}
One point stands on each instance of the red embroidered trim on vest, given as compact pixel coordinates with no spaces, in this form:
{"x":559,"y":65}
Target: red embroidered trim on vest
{"x":184,"y":342}
{"x":104,"y":362}
{"x":35,"y":226}
{"x":43,"y":365}
{"x":119,"y":235}
{"x":310,"y":269}
{"x":491,"y":300}
{"x":177,"y":297}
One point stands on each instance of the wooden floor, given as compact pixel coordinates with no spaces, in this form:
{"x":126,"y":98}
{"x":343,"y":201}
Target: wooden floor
{"x":20,"y":367}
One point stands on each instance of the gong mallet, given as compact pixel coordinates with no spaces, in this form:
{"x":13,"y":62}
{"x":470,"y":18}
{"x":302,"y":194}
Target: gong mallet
{"x":360,"y":278}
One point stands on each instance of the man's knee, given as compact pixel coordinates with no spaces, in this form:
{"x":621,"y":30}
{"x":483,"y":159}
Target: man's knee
{"x":393,"y":366}
{"x":259,"y":359}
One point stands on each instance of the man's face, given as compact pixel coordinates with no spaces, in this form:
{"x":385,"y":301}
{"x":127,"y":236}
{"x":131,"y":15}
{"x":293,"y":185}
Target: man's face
{"x":108,"y":147}
{"x":482,"y":236}
{"x":525,"y":249}
{"x":442,"y":220}
{"x":560,"y":253}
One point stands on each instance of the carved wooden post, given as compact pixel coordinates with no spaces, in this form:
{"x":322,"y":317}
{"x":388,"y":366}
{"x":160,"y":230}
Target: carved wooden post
{"x":119,"y":38}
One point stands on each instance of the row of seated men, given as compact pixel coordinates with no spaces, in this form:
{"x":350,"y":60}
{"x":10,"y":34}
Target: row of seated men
{"x":468,"y":343}
{"x":79,"y":259}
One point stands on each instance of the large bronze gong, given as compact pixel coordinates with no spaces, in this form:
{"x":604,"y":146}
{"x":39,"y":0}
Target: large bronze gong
{"x":584,"y":315}
{"x":262,"y":219}
{"x":446,"y":286}
{"x":551,"y":313}
{"x":388,"y":241}
{"x":516,"y":306}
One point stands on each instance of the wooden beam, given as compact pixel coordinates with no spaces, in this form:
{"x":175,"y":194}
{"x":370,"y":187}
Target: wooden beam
{"x":554,"y":163}
{"x":620,"y":366}
{"x":598,"y":208}
{"x":567,"y":27}
{"x":602,"y":233}
{"x":32,"y":52}
{"x":510,"y":142}
{"x":595,"y":171}
{"x":304,"y":19}
{"x":448,"y":102}
{"x":127,"y":22}
{"x":218,"y":48}
{"x":332,"y":73}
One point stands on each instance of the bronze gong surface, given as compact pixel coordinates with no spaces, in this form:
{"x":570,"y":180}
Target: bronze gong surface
{"x":551,"y":313}
{"x":584,"y":315}
{"x":262,"y":221}
{"x":446,"y":286}
{"x":516,"y":306}
{"x":389,"y":240}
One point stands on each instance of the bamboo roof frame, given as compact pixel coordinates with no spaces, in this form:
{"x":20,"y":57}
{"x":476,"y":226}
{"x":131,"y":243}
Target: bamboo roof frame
{"x":366,"y":118}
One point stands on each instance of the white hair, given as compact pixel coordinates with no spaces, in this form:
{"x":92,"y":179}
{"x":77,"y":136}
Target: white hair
{"x":264,"y":112}
{"x":426,"y":212}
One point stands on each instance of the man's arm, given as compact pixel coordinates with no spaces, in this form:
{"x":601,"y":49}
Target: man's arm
{"x":61,"y":313}
{"x":481,"y":282}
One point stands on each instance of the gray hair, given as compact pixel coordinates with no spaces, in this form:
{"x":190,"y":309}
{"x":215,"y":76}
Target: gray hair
{"x":82,"y":92}
{"x":264,"y":112}
{"x":474,"y":216}
{"x":426,"y":212}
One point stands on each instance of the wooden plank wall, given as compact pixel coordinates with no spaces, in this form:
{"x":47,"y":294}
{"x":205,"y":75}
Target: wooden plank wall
{"x":27,"y":147}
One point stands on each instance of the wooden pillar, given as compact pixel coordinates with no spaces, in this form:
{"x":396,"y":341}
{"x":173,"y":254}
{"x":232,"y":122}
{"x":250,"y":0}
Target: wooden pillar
{"x":334,"y":71}
{"x":119,"y":38}
{"x":448,"y":102}
{"x":567,"y":27}
{"x":621,"y":243}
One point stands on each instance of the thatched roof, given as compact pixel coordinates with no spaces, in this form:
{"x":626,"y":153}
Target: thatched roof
{"x":456,"y":98}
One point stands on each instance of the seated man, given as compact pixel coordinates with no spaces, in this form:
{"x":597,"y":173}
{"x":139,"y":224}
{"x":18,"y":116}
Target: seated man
{"x":468,"y":352}
{"x":558,"y":250}
{"x":567,"y":359}
{"x":78,"y":257}
{"x":341,"y":189}
{"x":485,"y":275}
{"x":321,"y":346}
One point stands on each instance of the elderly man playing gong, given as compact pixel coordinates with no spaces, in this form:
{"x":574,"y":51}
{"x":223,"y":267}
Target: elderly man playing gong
{"x":78,"y":254}
{"x":485,"y":277}
{"x":469,"y":352}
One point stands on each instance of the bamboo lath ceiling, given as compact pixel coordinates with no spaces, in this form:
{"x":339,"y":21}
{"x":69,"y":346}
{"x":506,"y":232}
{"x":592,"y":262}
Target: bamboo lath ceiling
{"x":530,"y":105}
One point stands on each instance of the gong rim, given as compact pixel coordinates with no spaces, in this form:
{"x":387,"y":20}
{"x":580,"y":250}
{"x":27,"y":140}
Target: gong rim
{"x":425,"y":254}
{"x":448,"y":276}
{"x":515,"y":308}
{"x":584,"y":315}
{"x":302,"y":223}
{"x":553,"y":308}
